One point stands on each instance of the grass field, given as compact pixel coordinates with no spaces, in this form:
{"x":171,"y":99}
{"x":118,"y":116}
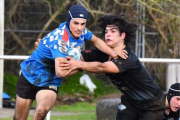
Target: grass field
{"x":81,"y":110}
{"x":71,"y":86}
{"x":83,"y":116}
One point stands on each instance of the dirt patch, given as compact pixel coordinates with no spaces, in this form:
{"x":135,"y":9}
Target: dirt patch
{"x":114,"y":95}
{"x":67,"y":99}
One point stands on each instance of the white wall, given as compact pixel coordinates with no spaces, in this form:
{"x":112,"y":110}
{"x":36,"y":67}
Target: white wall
{"x":172,"y":75}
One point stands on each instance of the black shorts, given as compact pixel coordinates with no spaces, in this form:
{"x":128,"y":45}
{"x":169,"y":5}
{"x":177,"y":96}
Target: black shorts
{"x":27,"y":90}
{"x":151,"y":110}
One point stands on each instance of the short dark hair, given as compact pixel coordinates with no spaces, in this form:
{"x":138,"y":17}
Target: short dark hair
{"x":123,"y":26}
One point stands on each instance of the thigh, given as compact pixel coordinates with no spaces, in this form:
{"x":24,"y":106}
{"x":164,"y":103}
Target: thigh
{"x":45,"y":99}
{"x":126,"y":111}
{"x":156,"y":109}
{"x":152,"y":115}
{"x":124,"y":116}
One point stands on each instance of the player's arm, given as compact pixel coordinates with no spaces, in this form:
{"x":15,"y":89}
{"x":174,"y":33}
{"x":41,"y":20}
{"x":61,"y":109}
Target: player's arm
{"x":101,"y":45}
{"x":95,"y":67}
{"x":36,"y":44}
{"x":98,"y":67}
{"x":60,"y":72}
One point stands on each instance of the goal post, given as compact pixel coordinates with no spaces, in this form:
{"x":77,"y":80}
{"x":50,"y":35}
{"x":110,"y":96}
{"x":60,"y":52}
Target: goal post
{"x":1,"y":49}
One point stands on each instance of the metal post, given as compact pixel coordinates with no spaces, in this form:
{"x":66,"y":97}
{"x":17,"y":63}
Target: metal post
{"x":48,"y":116}
{"x":140,"y":40}
{"x":138,"y":36}
{"x":143,"y":32}
{"x":1,"y":49}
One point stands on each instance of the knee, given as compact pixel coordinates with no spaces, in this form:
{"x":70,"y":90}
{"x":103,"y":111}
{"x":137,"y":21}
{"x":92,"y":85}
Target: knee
{"x":14,"y":117}
{"x":41,"y":112}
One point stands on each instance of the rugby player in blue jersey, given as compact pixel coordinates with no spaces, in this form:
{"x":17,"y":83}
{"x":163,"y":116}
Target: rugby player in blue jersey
{"x":41,"y":73}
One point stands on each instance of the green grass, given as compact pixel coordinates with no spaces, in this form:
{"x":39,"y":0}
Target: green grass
{"x":83,"y":116}
{"x":83,"y":111}
{"x":70,"y":85}
{"x":77,"y":107}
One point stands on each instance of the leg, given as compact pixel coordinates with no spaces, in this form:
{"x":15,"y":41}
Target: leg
{"x":45,"y":100}
{"x":124,"y":116}
{"x":24,"y":98}
{"x":152,"y":115}
{"x":126,"y":111}
{"x":22,"y":108}
{"x":156,"y":109}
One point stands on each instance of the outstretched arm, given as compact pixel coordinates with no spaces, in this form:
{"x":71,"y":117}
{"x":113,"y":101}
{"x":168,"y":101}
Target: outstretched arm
{"x":95,"y":67}
{"x":101,"y":45}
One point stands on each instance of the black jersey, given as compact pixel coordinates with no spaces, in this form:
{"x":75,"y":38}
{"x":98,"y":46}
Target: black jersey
{"x":172,"y":116}
{"x":133,"y":79}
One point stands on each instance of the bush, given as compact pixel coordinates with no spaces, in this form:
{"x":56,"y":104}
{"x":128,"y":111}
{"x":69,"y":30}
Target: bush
{"x":10,"y":82}
{"x":70,"y":85}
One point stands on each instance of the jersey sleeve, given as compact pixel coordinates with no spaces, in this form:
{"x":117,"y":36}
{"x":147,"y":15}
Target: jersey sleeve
{"x":131,"y":63}
{"x":87,"y":34}
{"x":94,"y":55}
{"x":178,"y":115}
{"x":89,"y":55}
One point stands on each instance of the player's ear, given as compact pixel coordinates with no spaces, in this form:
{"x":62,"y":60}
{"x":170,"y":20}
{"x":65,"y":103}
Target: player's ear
{"x":123,"y":35}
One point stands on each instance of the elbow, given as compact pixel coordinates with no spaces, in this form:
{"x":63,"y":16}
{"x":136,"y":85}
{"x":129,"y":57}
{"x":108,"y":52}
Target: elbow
{"x":100,"y":68}
{"x":98,"y":71}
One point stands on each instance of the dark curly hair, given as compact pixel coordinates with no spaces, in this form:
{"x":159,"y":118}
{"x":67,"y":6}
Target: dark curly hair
{"x":123,"y":26}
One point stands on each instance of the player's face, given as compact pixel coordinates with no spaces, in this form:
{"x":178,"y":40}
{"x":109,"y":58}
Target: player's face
{"x":112,"y":36}
{"x":77,"y":25}
{"x":175,"y":103}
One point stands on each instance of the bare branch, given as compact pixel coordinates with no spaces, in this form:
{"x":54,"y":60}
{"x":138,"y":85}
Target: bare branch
{"x":17,"y":39}
{"x":123,"y":4}
{"x":53,"y":17}
{"x":158,"y":27}
{"x":13,"y":10}
{"x":91,"y":11}
{"x":158,"y":10}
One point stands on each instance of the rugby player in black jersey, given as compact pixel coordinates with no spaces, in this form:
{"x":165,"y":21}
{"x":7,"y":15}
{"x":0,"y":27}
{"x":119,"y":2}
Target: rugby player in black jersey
{"x":142,"y":98}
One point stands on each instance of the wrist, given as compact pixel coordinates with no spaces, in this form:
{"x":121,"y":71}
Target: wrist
{"x":78,"y":64}
{"x":115,"y":56}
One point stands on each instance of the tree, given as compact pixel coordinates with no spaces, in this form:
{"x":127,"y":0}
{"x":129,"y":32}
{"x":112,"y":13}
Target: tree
{"x":25,"y":21}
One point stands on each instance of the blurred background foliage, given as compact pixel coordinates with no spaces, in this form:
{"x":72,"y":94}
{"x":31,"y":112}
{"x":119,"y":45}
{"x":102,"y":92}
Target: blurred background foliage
{"x":27,"y":20}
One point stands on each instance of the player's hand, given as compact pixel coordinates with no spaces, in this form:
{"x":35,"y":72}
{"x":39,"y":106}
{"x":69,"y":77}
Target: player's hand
{"x":36,"y":44}
{"x":69,"y":65}
{"x":121,"y":52}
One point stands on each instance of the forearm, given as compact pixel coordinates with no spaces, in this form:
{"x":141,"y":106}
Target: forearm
{"x":95,"y":67}
{"x":101,"y":45}
{"x":73,"y":72}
